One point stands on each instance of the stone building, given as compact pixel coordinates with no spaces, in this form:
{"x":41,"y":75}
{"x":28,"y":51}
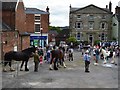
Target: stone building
{"x":91,"y":23}
{"x":116,"y":24}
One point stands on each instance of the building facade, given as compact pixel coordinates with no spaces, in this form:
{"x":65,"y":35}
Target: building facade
{"x":91,"y":23}
{"x":37,"y":23}
{"x":116,"y":24}
{"x":17,"y":27}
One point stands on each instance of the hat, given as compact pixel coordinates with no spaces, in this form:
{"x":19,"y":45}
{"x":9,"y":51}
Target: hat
{"x":87,"y":51}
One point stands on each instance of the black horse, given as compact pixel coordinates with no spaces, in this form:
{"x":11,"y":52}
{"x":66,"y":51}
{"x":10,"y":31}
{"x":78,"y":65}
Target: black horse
{"x":23,"y":56}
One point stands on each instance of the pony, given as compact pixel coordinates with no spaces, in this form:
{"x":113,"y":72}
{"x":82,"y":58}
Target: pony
{"x":108,"y":54}
{"x":23,"y":56}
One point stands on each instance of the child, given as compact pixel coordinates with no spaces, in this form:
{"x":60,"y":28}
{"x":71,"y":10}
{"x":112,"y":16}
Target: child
{"x":86,"y":58}
{"x":48,"y":56}
{"x":41,"y":59}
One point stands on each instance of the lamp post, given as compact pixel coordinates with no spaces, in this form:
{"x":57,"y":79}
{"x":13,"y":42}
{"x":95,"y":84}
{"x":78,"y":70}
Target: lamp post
{"x":41,"y":35}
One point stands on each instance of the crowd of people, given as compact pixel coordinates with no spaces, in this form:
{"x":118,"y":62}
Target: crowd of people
{"x":52,"y":55}
{"x":96,"y":54}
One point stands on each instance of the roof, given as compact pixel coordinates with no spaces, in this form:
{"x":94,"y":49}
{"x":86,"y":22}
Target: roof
{"x":5,"y":27}
{"x":35,"y":11}
{"x":77,"y":9}
{"x":24,"y":34}
{"x":9,"y":6}
{"x":53,"y":32}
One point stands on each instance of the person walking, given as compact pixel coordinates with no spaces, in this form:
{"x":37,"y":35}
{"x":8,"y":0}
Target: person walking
{"x":36,"y":61}
{"x":96,"y":56}
{"x":71,"y":54}
{"x":86,"y":58}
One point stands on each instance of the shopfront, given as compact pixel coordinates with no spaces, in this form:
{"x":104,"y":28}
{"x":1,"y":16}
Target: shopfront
{"x":38,"y":40}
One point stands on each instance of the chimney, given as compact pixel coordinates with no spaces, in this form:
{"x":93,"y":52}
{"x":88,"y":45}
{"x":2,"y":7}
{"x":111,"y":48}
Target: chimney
{"x":110,"y":6}
{"x":106,"y":6}
{"x":117,"y":10}
{"x":47,"y":9}
{"x":70,"y":6}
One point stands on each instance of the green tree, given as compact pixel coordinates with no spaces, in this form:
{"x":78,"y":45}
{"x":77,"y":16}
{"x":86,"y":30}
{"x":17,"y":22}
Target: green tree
{"x":55,"y":28}
{"x":72,"y":39}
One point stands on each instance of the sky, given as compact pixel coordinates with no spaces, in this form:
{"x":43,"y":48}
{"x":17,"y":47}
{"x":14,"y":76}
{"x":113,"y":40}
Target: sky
{"x":59,"y":9}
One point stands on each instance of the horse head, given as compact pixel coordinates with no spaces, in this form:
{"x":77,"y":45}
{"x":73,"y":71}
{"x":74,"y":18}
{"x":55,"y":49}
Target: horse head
{"x":29,"y":51}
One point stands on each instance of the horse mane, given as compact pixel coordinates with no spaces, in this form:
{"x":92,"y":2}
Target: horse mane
{"x":29,"y":50}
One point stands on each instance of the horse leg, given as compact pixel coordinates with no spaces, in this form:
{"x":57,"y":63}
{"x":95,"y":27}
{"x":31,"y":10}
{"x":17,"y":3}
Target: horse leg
{"x":22,"y":65}
{"x":51,"y":61}
{"x":64,"y":65}
{"x":105,"y":61}
{"x":63,"y":62}
{"x":55,"y":64}
{"x":11,"y":69}
{"x":26,"y":69}
{"x":72,"y":56}
{"x":5,"y":63}
{"x":113,"y":60}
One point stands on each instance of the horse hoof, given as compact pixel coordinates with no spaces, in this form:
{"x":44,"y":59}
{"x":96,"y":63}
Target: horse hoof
{"x":112,"y":62}
{"x":50,"y":68}
{"x":21,"y":69}
{"x":4,"y":70}
{"x":12,"y":69}
{"x":64,"y":66}
{"x":55,"y":68}
{"x":26,"y":69}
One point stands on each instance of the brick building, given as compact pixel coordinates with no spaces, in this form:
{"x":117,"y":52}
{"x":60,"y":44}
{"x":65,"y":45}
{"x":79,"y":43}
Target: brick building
{"x":37,"y":23}
{"x":9,"y":39}
{"x":17,"y":29}
{"x":9,"y":36}
{"x":91,"y":23}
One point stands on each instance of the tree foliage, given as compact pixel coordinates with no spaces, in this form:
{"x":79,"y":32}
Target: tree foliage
{"x":72,"y":39}
{"x":54,"y":28}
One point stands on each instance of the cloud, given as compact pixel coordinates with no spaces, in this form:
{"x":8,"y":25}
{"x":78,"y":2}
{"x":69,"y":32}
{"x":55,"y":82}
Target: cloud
{"x":59,"y":9}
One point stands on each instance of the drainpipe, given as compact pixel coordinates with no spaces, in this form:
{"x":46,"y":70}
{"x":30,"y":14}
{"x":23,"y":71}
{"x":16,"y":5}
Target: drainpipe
{"x":21,"y":41}
{"x":119,"y":34}
{"x":1,"y":49}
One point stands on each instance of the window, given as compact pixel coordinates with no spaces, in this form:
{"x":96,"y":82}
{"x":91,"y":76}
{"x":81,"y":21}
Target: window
{"x":91,"y":17}
{"x":37,"y":17}
{"x":91,"y":25}
{"x":103,"y":25}
{"x":102,"y":36}
{"x":37,"y":27}
{"x":78,"y":36}
{"x":78,"y":25}
{"x":79,"y":16}
{"x":103,"y":17}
